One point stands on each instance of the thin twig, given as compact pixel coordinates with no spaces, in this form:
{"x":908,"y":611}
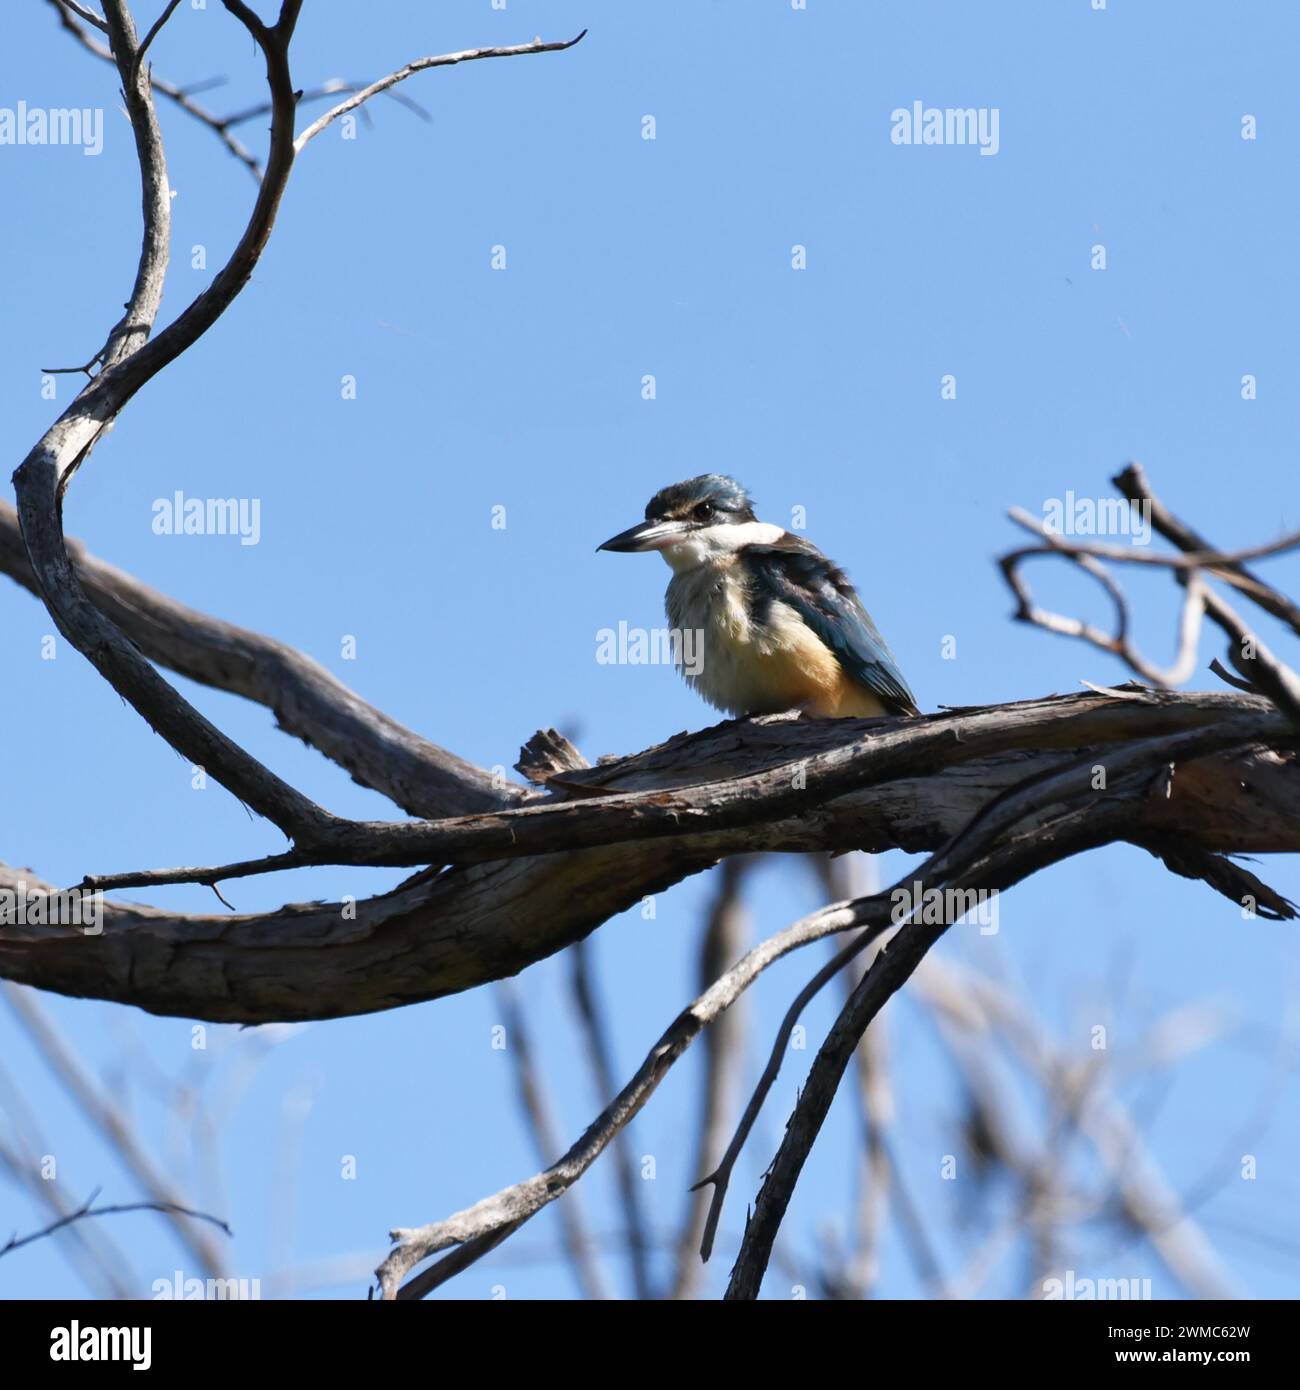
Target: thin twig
{"x":600,"y":1053}
{"x":111,"y":1123}
{"x":153,"y":33}
{"x":537,"y":1116}
{"x":1037,"y":823}
{"x":180,"y":96}
{"x":468,"y":55}
{"x":722,"y":942}
{"x":89,"y":1209}
{"x":483,"y":1226}
{"x":1132,"y":482}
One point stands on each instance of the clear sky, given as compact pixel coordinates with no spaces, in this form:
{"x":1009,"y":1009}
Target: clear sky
{"x":521,"y":388}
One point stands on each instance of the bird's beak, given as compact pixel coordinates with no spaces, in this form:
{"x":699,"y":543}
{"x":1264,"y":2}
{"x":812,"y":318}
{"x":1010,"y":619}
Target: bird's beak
{"x":649,"y":535}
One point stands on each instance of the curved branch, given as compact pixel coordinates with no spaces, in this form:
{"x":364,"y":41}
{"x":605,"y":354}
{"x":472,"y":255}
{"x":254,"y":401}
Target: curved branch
{"x":85,"y":13}
{"x":467,"y":55}
{"x":444,"y":932}
{"x":720,"y":1178}
{"x":88,"y":1208}
{"x":179,"y":95}
{"x":998,"y":867}
{"x":153,"y":34}
{"x":44,"y":475}
{"x":1132,"y":483}
{"x":1039,"y":822}
{"x":105,"y":1112}
{"x":1117,"y":643}
{"x":888,"y":749}
{"x":484,"y":1225}
{"x":307,"y":700}
{"x":1263,"y":671}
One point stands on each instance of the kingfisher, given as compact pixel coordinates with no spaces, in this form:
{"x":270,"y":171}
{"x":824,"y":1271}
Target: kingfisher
{"x":780,"y":624}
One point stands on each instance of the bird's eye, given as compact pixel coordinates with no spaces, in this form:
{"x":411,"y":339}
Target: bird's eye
{"x":705,"y":511}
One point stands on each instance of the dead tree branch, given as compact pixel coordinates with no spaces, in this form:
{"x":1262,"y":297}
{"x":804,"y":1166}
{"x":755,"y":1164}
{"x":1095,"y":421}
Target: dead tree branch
{"x":88,"y":1208}
{"x":970,"y":861}
{"x":468,"y":55}
{"x":118,"y":1133}
{"x":722,"y":943}
{"x":537,"y":1115}
{"x":600,"y":1053}
{"x":881,"y":751}
{"x":129,"y":360}
{"x":449,"y":931}
{"x":483,"y":1226}
{"x":307,"y":700}
{"x":1261,"y":669}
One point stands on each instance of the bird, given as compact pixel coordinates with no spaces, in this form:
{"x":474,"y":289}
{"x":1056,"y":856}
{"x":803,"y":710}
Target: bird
{"x":780,"y":625}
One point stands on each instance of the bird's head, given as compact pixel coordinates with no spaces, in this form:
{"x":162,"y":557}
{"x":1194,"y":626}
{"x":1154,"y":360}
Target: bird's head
{"x":690,"y":521}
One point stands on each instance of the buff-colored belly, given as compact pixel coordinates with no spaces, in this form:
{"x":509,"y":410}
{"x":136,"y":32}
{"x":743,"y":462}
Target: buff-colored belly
{"x":781,"y":665}
{"x":850,"y":700}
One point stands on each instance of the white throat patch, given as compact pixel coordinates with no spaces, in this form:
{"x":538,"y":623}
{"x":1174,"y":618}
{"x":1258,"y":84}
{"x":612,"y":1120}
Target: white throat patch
{"x":713,"y":545}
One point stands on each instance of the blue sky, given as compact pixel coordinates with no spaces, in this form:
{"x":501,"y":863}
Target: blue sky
{"x":521,"y":388}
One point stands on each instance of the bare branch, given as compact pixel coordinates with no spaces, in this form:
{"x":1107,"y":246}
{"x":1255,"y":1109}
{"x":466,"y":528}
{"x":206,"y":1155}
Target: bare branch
{"x":1262,"y":669}
{"x":108,"y":1118}
{"x":886,"y":750}
{"x":1265,"y":671}
{"x":307,"y":700}
{"x":1205,"y":557}
{"x":528,"y":1083}
{"x":482,"y":1226}
{"x":89,"y":1209}
{"x":99,"y":1259}
{"x":1256,"y":662}
{"x":1132,"y":482}
{"x":600,"y":1055}
{"x":85,"y":12}
{"x":153,"y":34}
{"x":720,"y":1178}
{"x":222,"y":126}
{"x":182,"y":97}
{"x":333,"y":87}
{"x":467,"y":55}
{"x":722,"y":942}
{"x":128,"y":363}
{"x":442,"y":932}
{"x":1016,"y":835}
{"x":1117,"y":643}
